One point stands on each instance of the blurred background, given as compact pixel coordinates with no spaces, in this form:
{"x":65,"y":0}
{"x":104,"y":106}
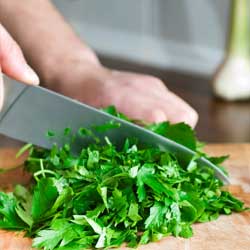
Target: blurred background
{"x":186,"y":35}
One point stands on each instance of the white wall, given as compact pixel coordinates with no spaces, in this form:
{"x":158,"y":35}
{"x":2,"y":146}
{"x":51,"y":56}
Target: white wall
{"x":177,"y":34}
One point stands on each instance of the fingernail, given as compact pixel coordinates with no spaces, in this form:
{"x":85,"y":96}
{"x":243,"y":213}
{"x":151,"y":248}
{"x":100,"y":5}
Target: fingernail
{"x":159,"y":116}
{"x":30,"y":76}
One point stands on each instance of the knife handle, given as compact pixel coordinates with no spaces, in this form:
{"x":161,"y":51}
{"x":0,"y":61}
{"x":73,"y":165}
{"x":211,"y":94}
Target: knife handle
{"x":12,"y":90}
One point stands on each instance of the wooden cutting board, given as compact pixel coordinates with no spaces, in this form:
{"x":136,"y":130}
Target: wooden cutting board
{"x":227,"y":233}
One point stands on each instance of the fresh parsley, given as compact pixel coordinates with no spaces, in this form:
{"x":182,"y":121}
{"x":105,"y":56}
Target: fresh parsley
{"x":104,"y":197}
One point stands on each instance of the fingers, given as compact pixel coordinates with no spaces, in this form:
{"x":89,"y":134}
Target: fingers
{"x":175,"y":109}
{"x":146,"y":98}
{"x":12,"y":60}
{"x":164,"y":101}
{"x":181,"y":111}
{"x":155,"y":109}
{"x":141,"y":82}
{"x":140,"y":107}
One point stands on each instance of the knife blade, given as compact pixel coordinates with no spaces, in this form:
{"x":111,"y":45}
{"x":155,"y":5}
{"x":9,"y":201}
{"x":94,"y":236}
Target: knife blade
{"x":30,"y":111}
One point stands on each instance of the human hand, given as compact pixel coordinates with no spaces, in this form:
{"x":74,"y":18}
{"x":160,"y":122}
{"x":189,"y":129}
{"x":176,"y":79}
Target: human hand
{"x":146,"y":98}
{"x":138,"y":96}
{"x":12,"y":63}
{"x":67,"y":65}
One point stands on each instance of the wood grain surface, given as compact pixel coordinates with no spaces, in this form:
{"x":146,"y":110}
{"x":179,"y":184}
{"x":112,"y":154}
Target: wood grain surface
{"x":227,"y":233}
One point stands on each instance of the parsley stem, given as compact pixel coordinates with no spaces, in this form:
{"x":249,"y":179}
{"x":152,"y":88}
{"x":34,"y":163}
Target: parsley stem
{"x":42,"y":168}
{"x":43,"y":171}
{"x":32,"y":159}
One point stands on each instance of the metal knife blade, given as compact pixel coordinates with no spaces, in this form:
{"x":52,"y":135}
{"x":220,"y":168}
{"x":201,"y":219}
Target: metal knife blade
{"x":29,"y":112}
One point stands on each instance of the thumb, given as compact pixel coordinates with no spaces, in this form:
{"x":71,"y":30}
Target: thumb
{"x":12,"y":60}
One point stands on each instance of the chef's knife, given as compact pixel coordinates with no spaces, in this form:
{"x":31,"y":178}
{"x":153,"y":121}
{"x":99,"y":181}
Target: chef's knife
{"x":30,"y":111}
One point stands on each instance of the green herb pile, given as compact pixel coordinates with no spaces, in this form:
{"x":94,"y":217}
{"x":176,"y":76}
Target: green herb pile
{"x":104,"y":197}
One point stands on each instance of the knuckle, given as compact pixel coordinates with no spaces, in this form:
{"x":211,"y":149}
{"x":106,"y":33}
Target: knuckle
{"x":158,"y":115}
{"x":143,"y":81}
{"x":194,"y":117}
{"x":156,"y":82}
{"x":191,"y":117}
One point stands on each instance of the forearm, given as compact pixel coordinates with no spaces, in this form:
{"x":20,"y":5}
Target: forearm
{"x":45,"y":38}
